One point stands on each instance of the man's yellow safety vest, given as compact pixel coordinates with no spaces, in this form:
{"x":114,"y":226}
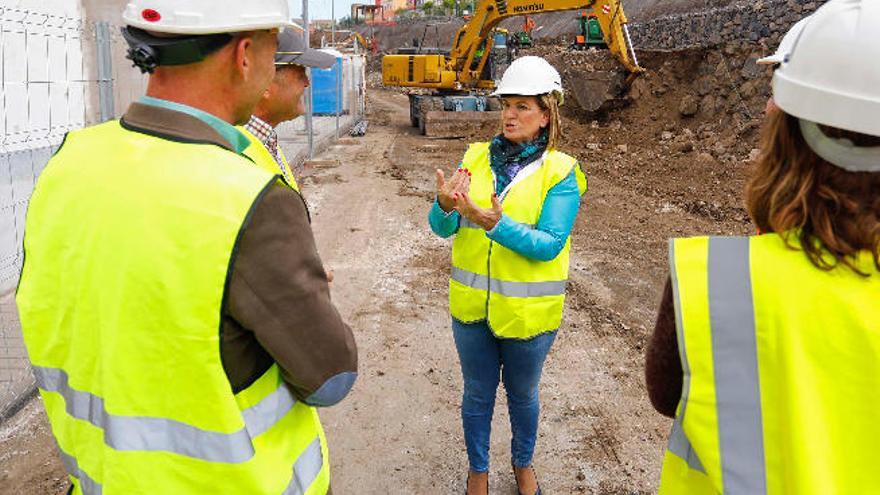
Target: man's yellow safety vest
{"x":781,"y":370}
{"x":130,"y":240}
{"x":520,"y":297}
{"x":257,"y":152}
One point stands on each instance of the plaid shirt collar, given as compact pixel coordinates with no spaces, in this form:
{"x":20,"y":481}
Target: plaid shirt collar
{"x":267,"y":135}
{"x":264,"y":132}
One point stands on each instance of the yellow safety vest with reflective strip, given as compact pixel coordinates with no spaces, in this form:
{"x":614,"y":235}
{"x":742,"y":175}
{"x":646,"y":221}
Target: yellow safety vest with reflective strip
{"x":130,"y":239}
{"x":520,"y":297}
{"x":257,"y":152}
{"x":781,"y":370}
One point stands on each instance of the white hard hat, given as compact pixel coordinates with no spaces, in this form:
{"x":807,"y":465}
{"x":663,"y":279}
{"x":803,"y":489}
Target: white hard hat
{"x":831,"y":75}
{"x":197,"y":17}
{"x":529,"y":76}
{"x":786,"y":44}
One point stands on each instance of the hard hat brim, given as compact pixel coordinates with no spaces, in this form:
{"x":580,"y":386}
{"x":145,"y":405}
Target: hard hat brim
{"x":518,"y":92}
{"x":200,"y":30}
{"x":774,"y":59}
{"x":315,"y":59}
{"x":847,"y":111}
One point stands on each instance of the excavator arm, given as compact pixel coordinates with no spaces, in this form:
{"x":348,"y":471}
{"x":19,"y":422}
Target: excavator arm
{"x":457,"y":71}
{"x":489,"y":13}
{"x":360,"y":39}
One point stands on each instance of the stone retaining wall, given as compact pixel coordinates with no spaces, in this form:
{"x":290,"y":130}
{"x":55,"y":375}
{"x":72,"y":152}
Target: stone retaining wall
{"x":743,"y":22}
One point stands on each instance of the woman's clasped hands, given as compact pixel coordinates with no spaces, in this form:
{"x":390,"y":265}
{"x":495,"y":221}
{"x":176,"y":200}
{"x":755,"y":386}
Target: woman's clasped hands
{"x":453,"y":195}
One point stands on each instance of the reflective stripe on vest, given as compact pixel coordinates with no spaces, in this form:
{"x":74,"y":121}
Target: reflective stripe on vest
{"x":678,"y":442}
{"x":506,"y":288}
{"x":736,"y":366}
{"x":518,"y":296}
{"x":305,"y":471}
{"x":86,"y":484}
{"x":160,"y":434}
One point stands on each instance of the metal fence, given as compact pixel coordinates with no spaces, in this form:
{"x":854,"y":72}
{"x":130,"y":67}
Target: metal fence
{"x":59,"y":73}
{"x":347,"y":91}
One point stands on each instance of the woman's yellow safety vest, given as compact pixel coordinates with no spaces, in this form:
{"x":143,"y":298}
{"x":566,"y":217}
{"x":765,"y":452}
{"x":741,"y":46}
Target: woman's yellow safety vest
{"x":129,"y":243}
{"x":257,"y":152}
{"x":518,"y":296}
{"x":781,"y":370}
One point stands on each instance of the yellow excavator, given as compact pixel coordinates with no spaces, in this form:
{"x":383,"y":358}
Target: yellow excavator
{"x":456,"y":75}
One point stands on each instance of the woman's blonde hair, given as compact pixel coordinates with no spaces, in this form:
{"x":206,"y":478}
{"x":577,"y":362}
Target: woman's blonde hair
{"x":833,"y":211}
{"x":550,"y":103}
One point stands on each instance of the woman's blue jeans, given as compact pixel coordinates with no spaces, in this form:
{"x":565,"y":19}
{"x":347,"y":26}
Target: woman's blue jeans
{"x":519,"y":363}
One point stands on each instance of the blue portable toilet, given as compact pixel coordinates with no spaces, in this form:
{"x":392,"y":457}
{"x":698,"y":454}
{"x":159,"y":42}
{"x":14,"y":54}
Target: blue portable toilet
{"x":500,"y":40}
{"x":324,"y":88}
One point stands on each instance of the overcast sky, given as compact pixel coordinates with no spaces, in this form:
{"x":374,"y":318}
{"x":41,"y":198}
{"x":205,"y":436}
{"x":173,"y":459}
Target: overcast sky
{"x":320,"y":9}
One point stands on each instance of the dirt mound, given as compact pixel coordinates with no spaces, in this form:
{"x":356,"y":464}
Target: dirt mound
{"x":694,"y":113}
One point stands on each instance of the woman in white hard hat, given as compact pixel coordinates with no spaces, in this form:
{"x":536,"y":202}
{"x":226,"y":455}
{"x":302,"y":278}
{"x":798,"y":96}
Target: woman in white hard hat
{"x":511,"y":205}
{"x":767,"y":348}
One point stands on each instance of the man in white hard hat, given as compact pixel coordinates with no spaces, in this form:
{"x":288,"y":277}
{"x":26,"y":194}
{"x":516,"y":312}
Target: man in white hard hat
{"x":173,"y":304}
{"x":283,"y":101}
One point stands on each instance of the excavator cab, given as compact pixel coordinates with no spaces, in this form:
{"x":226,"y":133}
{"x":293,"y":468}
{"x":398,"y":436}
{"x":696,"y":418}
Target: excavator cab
{"x":589,"y":33}
{"x":523,"y":39}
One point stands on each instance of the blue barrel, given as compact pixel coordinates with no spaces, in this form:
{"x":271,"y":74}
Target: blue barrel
{"x":324,"y":89}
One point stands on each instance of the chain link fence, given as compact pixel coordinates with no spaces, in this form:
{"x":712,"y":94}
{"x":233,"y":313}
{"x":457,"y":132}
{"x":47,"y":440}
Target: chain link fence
{"x":59,"y":73}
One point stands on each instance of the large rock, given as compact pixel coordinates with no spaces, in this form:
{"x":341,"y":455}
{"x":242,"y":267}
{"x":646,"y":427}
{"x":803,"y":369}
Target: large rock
{"x":708,"y":104}
{"x":598,"y":91}
{"x":689,"y":106}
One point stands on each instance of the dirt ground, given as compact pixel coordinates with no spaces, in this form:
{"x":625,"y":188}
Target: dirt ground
{"x":654,"y":173}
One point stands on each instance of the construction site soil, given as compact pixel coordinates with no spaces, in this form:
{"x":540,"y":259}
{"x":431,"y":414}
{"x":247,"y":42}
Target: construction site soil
{"x":669,"y":161}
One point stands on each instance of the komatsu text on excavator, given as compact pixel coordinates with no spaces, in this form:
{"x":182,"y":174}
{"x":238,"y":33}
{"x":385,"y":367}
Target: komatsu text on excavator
{"x":460,"y":71}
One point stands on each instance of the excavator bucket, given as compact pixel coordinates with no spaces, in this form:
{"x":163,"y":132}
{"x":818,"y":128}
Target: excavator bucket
{"x":600,"y":91}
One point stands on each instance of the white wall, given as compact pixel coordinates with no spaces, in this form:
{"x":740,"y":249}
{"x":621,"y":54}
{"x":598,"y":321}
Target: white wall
{"x":49,"y":87}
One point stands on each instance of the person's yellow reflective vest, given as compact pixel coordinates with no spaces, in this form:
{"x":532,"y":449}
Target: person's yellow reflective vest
{"x":518,"y":296}
{"x":129,"y":242}
{"x":257,"y":152}
{"x":781,"y":371}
